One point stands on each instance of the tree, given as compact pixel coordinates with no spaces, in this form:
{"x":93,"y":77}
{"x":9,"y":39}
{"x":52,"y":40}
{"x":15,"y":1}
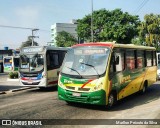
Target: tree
{"x":109,"y":26}
{"x":65,"y":39}
{"x":150,"y":29}
{"x":29,"y":43}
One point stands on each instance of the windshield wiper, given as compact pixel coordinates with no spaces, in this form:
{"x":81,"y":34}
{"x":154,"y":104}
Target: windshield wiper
{"x":74,"y":70}
{"x":92,"y":67}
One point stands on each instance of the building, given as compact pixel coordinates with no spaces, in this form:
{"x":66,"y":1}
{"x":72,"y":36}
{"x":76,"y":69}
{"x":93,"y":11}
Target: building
{"x":59,"y":27}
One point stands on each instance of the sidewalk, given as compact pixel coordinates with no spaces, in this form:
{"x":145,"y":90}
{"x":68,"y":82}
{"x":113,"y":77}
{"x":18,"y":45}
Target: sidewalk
{"x":10,"y":85}
{"x":4,"y":80}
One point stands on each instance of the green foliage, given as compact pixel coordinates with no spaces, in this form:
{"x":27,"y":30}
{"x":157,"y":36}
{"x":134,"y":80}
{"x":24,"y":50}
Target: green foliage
{"x":137,"y":41}
{"x":149,"y":30}
{"x":109,"y":26}
{"x":29,"y":43}
{"x":13,"y":75}
{"x":65,"y":39}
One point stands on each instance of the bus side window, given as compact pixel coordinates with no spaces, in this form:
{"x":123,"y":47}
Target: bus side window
{"x":48,"y":60}
{"x":140,"y":59}
{"x":154,"y":58}
{"x":120,"y":64}
{"x":149,"y":58}
{"x":52,"y":60}
{"x":130,"y":59}
{"x":158,"y":61}
{"x":61,"y":57}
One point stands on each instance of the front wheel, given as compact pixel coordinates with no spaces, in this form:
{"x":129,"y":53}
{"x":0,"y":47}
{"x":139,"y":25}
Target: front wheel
{"x":111,"y":100}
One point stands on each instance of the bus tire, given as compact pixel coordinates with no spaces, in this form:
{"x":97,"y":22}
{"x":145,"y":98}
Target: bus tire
{"x":41,"y":88}
{"x":144,"y":87}
{"x":70,"y":103}
{"x":111,"y":100}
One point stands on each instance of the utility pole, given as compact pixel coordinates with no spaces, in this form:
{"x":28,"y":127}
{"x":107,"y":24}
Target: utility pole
{"x":92,"y":21}
{"x":33,"y":35}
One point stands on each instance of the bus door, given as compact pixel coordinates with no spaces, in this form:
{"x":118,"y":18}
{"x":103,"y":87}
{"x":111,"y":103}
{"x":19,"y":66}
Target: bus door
{"x":117,"y":72}
{"x":54,"y":61}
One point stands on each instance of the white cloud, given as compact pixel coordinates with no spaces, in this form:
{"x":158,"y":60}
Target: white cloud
{"x":27,"y":16}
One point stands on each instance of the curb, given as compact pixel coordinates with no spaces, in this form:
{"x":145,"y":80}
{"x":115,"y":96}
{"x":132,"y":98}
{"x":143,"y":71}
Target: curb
{"x":20,"y":89}
{"x":12,"y":79}
{"x":15,"y":90}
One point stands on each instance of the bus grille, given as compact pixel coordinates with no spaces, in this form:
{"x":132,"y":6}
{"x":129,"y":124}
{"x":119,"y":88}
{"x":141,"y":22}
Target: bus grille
{"x":80,"y":98}
{"x":30,"y":75}
{"x":83,"y":89}
{"x":71,"y":88}
{"x":79,"y":89}
{"x":35,"y":83}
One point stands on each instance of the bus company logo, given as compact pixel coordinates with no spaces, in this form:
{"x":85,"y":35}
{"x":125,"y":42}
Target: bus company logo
{"x":124,"y":79}
{"x":68,"y":81}
{"x":6,"y":122}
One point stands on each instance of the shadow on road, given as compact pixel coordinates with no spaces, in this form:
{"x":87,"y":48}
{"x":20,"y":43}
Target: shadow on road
{"x":8,"y":87}
{"x":137,"y":99}
{"x":48,"y":89}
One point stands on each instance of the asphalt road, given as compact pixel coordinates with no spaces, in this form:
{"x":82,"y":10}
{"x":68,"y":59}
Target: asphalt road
{"x":44,"y":104}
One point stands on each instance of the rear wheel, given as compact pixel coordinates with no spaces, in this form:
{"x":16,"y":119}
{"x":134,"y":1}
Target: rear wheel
{"x":144,"y":87}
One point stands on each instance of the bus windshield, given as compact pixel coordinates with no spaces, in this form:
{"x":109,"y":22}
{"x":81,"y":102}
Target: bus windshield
{"x":86,"y":61}
{"x":31,"y":62}
{"x":8,"y":61}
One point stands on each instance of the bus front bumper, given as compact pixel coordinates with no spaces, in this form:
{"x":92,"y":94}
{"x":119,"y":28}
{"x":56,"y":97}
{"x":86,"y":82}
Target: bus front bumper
{"x":97,"y":97}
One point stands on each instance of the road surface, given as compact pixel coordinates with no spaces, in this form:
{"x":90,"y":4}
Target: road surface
{"x":44,"y":104}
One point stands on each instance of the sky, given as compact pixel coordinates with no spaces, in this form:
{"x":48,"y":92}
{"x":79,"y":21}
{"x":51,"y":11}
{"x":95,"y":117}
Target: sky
{"x":42,"y":14}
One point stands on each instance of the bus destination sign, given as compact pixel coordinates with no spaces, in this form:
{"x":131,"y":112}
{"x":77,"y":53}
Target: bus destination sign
{"x":27,"y":50}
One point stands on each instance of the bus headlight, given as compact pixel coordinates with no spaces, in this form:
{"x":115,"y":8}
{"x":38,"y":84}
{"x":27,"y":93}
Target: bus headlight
{"x":44,"y":75}
{"x":97,"y":87}
{"x":60,"y":83}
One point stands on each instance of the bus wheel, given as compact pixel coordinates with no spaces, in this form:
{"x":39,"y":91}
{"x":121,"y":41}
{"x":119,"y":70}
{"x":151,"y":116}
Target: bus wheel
{"x":144,"y":87}
{"x":70,"y":103}
{"x":111,"y":100}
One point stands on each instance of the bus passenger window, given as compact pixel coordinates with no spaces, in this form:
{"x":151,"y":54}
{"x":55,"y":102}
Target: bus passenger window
{"x":120,"y":65}
{"x":154,"y":58}
{"x":55,"y":61}
{"x":48,"y":60}
{"x":149,"y":58}
{"x":52,"y":60}
{"x":140,"y":59}
{"x":130,"y":60}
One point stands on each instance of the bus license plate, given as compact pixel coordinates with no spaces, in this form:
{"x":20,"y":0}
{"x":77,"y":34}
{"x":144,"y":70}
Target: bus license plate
{"x":76,"y":94}
{"x":30,"y":81}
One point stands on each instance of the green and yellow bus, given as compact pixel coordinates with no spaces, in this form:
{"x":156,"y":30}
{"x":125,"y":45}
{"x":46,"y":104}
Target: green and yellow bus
{"x":102,"y":73}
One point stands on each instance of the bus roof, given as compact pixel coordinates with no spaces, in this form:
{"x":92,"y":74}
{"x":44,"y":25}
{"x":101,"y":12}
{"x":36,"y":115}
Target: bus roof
{"x":115,"y":45}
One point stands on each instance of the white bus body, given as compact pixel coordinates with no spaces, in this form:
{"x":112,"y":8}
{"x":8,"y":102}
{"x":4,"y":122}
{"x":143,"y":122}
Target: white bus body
{"x":158,"y":65}
{"x":40,"y":65}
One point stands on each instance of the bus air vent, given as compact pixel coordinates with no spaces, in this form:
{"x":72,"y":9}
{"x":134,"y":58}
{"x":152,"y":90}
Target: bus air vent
{"x":69,"y":87}
{"x":83,"y":89}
